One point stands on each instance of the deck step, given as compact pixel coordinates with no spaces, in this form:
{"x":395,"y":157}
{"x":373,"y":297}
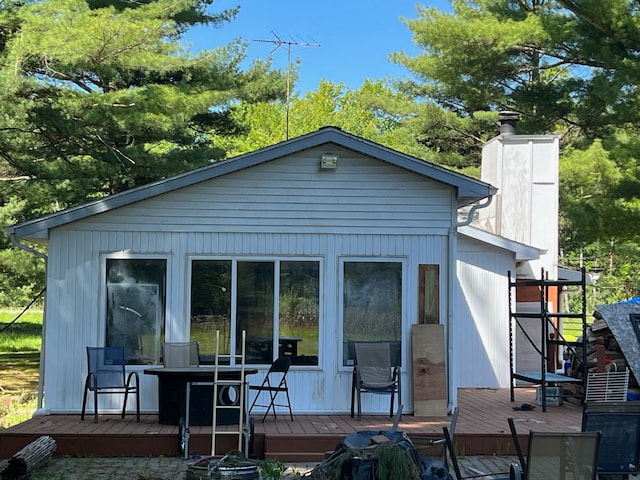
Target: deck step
{"x":309,"y":448}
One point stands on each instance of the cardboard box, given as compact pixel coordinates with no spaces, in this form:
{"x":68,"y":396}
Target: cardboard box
{"x":554,"y":396}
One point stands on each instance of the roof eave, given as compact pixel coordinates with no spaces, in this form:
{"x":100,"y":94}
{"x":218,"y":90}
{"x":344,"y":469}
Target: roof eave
{"x":522,"y":251}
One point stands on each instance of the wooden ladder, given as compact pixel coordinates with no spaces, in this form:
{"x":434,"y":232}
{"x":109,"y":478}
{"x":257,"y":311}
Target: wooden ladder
{"x":243,"y":431}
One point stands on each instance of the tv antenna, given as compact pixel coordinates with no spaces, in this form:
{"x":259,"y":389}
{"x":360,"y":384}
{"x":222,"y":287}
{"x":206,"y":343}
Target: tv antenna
{"x":279,"y":42}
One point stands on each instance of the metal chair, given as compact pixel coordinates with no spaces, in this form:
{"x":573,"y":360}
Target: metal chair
{"x":106,"y":376}
{"x":180,"y":354}
{"x":373,"y":373}
{"x":553,"y":455}
{"x":619,"y":425}
{"x":274,"y":382}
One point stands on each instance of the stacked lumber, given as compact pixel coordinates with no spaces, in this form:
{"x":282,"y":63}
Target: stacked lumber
{"x":603,"y":351}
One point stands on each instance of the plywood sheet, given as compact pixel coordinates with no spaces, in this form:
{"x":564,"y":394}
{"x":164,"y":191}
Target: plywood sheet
{"x":429,"y":372}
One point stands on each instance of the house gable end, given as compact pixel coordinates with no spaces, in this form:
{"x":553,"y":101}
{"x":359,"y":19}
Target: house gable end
{"x":467,"y":189}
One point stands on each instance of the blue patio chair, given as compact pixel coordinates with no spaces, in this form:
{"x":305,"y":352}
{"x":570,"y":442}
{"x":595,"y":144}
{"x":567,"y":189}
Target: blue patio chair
{"x":106,"y":376}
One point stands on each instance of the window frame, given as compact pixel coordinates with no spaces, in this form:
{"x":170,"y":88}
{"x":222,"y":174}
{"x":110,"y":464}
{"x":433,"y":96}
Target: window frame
{"x":340,"y":306}
{"x":102,"y":296}
{"x":276,"y":260}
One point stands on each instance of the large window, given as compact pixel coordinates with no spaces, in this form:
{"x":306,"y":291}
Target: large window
{"x":135,"y":307}
{"x":372,"y":306}
{"x":277,"y":303}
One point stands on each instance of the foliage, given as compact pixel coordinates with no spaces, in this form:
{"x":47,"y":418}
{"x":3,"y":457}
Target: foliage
{"x":272,"y":469}
{"x":15,"y":409}
{"x":389,"y":460}
{"x":373,"y":111}
{"x":559,"y":63}
{"x":99,"y":96}
{"x":21,"y":273}
{"x":569,"y":67}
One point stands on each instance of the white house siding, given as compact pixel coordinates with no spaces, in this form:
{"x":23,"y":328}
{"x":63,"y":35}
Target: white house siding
{"x":481,"y":335}
{"x":294,"y":194}
{"x":284,"y":208}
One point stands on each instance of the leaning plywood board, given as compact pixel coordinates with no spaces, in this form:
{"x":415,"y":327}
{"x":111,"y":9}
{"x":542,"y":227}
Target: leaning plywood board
{"x":429,"y":373}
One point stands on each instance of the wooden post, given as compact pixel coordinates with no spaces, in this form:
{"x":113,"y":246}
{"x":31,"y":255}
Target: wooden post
{"x":600,"y":356}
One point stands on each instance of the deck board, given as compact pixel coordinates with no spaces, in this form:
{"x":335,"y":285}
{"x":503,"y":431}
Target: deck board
{"x":482,"y":428}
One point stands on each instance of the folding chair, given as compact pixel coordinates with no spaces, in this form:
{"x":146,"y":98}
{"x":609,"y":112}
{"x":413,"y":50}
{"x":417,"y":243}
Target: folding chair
{"x":557,"y":456}
{"x":373,"y":373}
{"x":275,"y":382}
{"x":180,"y":354}
{"x":106,"y":375}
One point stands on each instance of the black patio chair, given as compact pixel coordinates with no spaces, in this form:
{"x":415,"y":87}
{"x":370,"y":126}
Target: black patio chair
{"x":106,"y":376}
{"x":373,"y":373}
{"x":619,"y":426}
{"x":274,"y":383}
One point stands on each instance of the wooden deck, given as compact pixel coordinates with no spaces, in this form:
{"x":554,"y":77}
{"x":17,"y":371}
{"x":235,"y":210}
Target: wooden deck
{"x":482,"y":429}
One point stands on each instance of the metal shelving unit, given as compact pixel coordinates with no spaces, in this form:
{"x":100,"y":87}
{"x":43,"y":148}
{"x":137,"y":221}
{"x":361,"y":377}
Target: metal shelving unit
{"x":550,"y":336}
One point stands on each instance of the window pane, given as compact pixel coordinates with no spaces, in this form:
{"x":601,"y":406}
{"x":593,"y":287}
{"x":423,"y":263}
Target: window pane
{"x":299,"y":311}
{"x":255,"y":309}
{"x":211,"y":306}
{"x":136,"y":307}
{"x":372,"y":306}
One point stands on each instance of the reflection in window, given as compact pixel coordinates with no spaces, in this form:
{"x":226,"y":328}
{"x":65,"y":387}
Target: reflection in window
{"x":211,"y":306}
{"x":299,"y":311}
{"x":212,"y":294}
{"x":255,"y":308}
{"x":136,"y":307}
{"x":372,"y":306}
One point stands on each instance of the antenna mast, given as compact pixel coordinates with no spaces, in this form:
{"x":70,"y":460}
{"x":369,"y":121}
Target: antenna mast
{"x":278,"y":42}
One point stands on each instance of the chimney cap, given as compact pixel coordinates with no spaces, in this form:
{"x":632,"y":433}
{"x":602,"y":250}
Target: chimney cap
{"x":508,"y":115}
{"x":508,"y":120}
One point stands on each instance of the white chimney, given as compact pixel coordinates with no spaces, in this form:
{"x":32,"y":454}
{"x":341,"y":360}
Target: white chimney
{"x":524,"y":168}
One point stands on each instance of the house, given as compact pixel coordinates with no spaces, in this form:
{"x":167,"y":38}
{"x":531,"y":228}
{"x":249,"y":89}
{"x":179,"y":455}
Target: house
{"x":307,"y":245}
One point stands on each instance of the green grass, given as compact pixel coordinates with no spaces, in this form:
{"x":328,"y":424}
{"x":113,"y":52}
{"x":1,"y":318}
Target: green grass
{"x":22,"y":336}
{"x":19,"y":361}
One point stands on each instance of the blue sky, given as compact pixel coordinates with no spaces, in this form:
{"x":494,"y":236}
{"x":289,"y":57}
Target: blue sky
{"x":356,"y":37}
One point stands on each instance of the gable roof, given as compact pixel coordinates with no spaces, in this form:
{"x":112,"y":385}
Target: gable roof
{"x":468,"y":190}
